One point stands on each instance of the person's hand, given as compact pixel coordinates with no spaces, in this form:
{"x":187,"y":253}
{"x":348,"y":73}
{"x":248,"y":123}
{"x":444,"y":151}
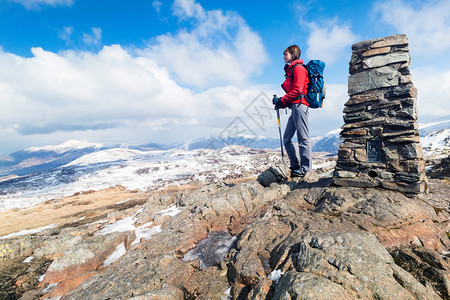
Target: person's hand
{"x":277,"y":102}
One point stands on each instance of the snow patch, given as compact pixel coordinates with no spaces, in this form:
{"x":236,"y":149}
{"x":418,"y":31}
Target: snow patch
{"x":123,"y":201}
{"x":275,"y":275}
{"x":143,"y":232}
{"x":171,"y":211}
{"x":118,"y":253}
{"x":127,"y":224}
{"x":49,"y":288}
{"x":27,"y":231}
{"x":80,"y":219}
{"x":227,"y":295}
{"x":98,"y":222}
{"x":28,"y":260}
{"x":123,"y":225}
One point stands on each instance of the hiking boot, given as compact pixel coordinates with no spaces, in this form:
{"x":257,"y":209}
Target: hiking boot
{"x":297,"y":173}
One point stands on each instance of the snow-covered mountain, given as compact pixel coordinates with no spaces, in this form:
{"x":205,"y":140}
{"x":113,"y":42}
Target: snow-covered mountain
{"x":155,"y":146}
{"x":40,"y":159}
{"x":94,"y":167}
{"x":240,"y":140}
{"x":433,"y":136}
{"x":436,"y":144}
{"x":329,"y":143}
{"x":68,"y":146}
{"x":50,"y":165}
{"x":319,"y":144}
{"x":424,"y":129}
{"x":135,"y":170}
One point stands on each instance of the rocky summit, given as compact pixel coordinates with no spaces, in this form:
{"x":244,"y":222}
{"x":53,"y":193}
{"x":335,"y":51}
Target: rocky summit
{"x":376,"y":226}
{"x":258,"y":238}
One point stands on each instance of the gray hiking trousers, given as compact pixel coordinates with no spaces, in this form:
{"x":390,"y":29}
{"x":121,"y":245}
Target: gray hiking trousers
{"x":298,"y":123}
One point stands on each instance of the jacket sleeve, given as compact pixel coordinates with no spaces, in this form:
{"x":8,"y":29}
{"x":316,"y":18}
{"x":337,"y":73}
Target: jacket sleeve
{"x":300,"y":75}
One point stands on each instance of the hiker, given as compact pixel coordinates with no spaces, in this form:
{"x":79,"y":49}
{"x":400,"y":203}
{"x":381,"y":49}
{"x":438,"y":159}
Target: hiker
{"x":296,"y":86}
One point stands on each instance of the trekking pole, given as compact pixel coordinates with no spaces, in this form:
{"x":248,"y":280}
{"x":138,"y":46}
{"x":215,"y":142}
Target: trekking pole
{"x":281,"y":140}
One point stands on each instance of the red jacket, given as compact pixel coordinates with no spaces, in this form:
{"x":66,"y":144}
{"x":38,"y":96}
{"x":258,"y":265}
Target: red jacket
{"x":298,"y":87}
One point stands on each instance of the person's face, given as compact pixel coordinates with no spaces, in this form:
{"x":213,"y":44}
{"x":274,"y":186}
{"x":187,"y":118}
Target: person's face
{"x":288,"y":57}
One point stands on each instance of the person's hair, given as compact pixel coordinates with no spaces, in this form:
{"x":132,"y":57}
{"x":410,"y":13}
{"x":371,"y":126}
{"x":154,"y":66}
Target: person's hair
{"x":294,"y":50}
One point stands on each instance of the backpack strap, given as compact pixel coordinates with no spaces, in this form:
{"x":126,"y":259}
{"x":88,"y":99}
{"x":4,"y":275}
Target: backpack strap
{"x":292,"y":72}
{"x":292,"y":78}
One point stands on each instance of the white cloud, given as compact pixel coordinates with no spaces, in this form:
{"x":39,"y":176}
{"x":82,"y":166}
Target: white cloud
{"x":426,"y":23}
{"x":93,"y":38}
{"x":35,"y":4}
{"x":65,"y":34}
{"x":221,"y":49}
{"x":80,"y":87}
{"x":433,"y":88}
{"x":329,"y":40}
{"x":109,"y":96}
{"x":157,"y":5}
{"x":188,"y":9}
{"x":133,"y":96}
{"x":329,"y":117}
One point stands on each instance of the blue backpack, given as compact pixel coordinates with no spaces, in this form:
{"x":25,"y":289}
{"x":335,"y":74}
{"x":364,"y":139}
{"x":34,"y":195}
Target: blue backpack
{"x":316,"y":87}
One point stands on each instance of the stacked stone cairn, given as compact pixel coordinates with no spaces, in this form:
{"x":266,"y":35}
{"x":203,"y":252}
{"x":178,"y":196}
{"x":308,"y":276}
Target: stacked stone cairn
{"x":380,"y":144}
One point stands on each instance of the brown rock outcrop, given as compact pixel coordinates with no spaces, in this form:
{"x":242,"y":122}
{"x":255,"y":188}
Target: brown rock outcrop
{"x":297,"y":238}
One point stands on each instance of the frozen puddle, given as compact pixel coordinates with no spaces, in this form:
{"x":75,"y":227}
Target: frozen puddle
{"x":211,"y":250}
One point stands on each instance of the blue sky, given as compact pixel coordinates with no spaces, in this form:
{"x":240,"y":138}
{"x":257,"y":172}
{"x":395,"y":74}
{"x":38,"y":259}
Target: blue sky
{"x":142,"y":71}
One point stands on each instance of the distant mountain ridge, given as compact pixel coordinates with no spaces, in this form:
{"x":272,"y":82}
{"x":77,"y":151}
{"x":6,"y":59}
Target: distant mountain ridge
{"x":429,"y":133}
{"x":424,"y":129}
{"x":70,"y":145}
{"x":436,"y":144}
{"x":41,"y":159}
{"x":329,"y":143}
{"x":241,"y":140}
{"x":133,"y":170}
